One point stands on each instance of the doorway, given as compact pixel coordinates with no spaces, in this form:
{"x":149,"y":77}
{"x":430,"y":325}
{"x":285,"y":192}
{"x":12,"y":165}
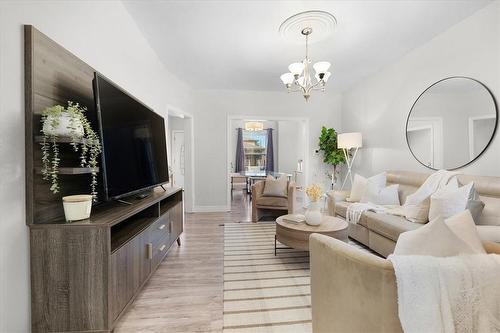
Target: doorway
{"x":181,"y":154}
{"x":290,"y":145}
{"x":178,"y":158}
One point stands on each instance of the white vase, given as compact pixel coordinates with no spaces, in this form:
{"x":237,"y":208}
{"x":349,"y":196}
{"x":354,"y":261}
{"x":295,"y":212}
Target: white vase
{"x":62,"y":129}
{"x":313,"y":214}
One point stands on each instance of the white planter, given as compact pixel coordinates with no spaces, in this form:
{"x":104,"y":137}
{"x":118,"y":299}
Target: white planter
{"x":313,"y":214}
{"x":62,"y":130}
{"x":77,"y":207}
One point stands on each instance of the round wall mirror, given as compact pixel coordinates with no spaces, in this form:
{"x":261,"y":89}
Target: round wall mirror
{"x":451,"y":123}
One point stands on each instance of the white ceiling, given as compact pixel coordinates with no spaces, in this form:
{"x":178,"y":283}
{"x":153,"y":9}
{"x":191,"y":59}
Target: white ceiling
{"x":236,"y":44}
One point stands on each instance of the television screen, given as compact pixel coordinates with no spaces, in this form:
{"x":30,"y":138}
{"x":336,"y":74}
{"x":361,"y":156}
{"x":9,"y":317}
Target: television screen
{"x":134,"y":155}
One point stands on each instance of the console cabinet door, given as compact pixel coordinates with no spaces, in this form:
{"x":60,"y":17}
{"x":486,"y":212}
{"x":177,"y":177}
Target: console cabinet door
{"x":177,"y":220}
{"x":130,"y":266}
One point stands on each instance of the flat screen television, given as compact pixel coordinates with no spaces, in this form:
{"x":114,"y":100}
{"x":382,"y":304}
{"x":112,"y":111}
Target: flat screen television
{"x":134,"y":154}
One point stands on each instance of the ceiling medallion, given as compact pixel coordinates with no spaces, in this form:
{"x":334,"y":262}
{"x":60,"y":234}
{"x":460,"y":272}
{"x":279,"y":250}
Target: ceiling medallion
{"x":303,"y":25}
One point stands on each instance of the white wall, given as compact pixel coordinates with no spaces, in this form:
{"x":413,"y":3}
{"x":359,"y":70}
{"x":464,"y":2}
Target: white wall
{"x":378,"y":107}
{"x":211,"y":112}
{"x":290,"y":145}
{"x":103,"y":35}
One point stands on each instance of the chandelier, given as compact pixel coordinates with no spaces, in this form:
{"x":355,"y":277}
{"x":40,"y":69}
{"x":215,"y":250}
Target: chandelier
{"x":299,"y":77}
{"x":254,"y":126}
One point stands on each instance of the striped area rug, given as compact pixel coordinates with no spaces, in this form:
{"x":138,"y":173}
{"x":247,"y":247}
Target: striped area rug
{"x":264,"y":293}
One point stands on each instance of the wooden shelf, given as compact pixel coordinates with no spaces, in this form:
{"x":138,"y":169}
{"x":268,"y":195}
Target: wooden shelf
{"x":72,"y":171}
{"x":124,"y":232}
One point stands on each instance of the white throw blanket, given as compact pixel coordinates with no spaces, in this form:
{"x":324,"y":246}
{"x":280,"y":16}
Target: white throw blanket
{"x":354,"y":210}
{"x":448,"y":295}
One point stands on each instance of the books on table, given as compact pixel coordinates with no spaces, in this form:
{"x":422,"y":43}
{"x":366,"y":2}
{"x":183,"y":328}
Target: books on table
{"x":295,"y":218}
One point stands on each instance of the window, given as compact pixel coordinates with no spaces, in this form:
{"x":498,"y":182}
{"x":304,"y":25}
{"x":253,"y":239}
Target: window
{"x":254,"y":144}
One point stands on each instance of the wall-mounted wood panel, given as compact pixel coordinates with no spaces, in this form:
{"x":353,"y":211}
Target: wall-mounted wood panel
{"x":53,"y":75}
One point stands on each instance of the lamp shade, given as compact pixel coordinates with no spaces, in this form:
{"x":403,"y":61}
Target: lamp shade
{"x":254,"y":126}
{"x":300,"y":81}
{"x":325,"y":77}
{"x":350,"y":140}
{"x":296,"y":68}
{"x":321,"y":66}
{"x":287,"y":78}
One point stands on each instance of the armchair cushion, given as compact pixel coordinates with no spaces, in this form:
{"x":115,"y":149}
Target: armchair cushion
{"x":276,"y":187}
{"x":272,"y":202}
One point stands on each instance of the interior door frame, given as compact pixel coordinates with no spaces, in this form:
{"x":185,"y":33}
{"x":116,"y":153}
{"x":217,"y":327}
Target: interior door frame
{"x":424,"y":128}
{"x":190,"y":181}
{"x":304,"y":121}
{"x":437,"y":145}
{"x":471,"y":132}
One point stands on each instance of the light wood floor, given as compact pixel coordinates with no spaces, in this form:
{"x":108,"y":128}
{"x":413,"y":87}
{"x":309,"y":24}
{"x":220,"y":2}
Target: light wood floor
{"x":185,"y":293}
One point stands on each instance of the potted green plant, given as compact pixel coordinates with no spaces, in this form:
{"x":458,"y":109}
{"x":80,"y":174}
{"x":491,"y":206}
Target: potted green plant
{"x":68,"y":122}
{"x":331,"y":154}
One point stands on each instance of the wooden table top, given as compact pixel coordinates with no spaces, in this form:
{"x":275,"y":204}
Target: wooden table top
{"x":328,"y":224}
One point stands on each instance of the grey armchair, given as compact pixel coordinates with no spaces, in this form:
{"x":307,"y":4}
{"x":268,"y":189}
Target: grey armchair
{"x":271,"y":206}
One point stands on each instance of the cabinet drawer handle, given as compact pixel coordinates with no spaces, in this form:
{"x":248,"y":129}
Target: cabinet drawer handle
{"x":149,"y":248}
{"x":162,"y":247}
{"x":161,"y":227}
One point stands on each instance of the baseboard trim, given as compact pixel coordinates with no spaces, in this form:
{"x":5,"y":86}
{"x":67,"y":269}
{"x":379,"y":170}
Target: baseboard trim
{"x":210,"y":209}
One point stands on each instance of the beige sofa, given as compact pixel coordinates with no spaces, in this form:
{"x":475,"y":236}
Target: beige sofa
{"x":381,"y":231}
{"x":271,"y":206}
{"x":353,"y":290}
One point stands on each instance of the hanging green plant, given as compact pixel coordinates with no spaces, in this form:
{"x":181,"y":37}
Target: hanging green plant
{"x":70,"y":122}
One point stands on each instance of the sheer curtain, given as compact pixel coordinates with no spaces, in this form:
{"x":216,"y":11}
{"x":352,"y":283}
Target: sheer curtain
{"x":240,"y":152}
{"x":270,"y":151}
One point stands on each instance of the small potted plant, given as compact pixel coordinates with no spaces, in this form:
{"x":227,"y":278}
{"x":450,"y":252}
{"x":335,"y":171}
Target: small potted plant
{"x":313,"y":212}
{"x":68,"y":122}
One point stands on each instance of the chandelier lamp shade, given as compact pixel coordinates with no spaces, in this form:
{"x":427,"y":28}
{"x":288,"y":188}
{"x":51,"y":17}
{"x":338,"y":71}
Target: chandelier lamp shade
{"x":254,"y":126}
{"x":301,"y":78}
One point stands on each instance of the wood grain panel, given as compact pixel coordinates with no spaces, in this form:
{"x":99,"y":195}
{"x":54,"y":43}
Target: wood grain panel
{"x":53,"y":75}
{"x":129,"y":269}
{"x":69,"y":279}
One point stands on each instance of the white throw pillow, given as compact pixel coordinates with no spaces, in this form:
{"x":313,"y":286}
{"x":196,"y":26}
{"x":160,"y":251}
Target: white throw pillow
{"x":433,"y":239}
{"x":382,"y":195}
{"x":416,"y":207}
{"x":449,"y":200}
{"x":462,"y":225}
{"x":475,"y":205}
{"x":276,"y":187}
{"x":360,"y":184}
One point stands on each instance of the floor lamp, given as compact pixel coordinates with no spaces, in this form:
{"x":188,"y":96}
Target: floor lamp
{"x":346,"y":142}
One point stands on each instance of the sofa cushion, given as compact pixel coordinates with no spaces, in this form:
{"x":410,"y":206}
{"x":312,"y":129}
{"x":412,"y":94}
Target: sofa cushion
{"x":433,"y":239}
{"x":389,"y":226}
{"x":272,"y":202}
{"x":361,"y":183}
{"x":341,"y":208}
{"x":462,"y":225}
{"x":449,"y":200}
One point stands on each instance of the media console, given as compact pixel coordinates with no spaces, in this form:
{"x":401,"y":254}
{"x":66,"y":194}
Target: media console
{"x":84,"y":274}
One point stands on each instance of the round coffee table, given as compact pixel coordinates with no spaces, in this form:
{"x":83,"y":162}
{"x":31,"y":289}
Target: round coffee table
{"x":296,"y":235}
